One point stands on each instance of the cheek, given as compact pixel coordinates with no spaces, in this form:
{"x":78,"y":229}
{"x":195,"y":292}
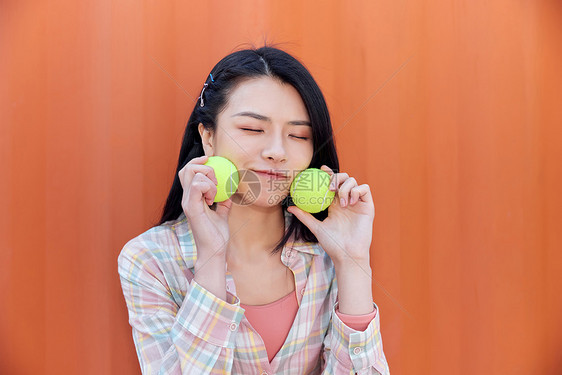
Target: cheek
{"x":305,"y":156}
{"x":234,"y":150}
{"x":224,"y":145}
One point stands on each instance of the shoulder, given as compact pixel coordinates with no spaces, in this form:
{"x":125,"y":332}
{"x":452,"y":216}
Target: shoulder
{"x":168,"y":244}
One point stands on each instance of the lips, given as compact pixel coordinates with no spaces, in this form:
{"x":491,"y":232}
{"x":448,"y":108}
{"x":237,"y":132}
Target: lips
{"x":271,"y":174}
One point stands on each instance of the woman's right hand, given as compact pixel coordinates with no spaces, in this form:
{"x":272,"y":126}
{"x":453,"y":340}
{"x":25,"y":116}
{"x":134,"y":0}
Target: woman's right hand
{"x":209,"y":228}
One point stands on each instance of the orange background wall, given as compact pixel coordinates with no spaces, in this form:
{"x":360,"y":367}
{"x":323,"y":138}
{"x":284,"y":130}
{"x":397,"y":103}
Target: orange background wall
{"x":450,"y":110}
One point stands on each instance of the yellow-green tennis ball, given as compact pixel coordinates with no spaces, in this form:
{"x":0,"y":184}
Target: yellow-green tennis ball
{"x":310,"y":190}
{"x":227,"y":177}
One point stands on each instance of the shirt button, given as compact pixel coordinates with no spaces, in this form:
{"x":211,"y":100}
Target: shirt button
{"x":233,"y":326}
{"x":227,"y":287}
{"x":264,"y":373}
{"x":302,"y":292}
{"x":289,"y":253}
{"x":356,"y":350}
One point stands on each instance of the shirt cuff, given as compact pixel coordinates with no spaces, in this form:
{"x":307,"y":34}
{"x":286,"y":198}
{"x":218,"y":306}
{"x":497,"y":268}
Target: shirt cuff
{"x":357,"y":322}
{"x":209,"y":317}
{"x":358,"y":350}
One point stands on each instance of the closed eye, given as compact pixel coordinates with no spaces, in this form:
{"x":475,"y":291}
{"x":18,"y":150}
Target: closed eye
{"x":303,"y":138}
{"x":260,"y":131}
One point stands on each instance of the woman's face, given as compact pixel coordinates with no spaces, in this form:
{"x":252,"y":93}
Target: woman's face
{"x":264,"y":128}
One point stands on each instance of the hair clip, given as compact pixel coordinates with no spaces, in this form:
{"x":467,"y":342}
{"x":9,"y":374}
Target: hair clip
{"x":201,"y":96}
{"x":204,"y":87}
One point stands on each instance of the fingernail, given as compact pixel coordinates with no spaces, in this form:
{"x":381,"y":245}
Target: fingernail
{"x":342,"y":202}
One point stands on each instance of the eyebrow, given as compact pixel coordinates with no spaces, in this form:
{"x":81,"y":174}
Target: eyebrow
{"x":257,"y":116}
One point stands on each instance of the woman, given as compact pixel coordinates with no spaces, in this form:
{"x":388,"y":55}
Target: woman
{"x":248,"y":286}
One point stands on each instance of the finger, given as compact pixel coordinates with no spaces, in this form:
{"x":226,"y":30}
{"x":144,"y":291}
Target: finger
{"x":354,"y":196}
{"x":330,"y":172}
{"x":190,"y":170}
{"x":327,"y":169}
{"x":198,"y":160}
{"x":200,"y":193}
{"x":306,"y":218}
{"x":364,"y":193}
{"x":337,"y":179}
{"x":202,"y":188}
{"x":210,"y":194}
{"x":358,"y":193}
{"x":345,"y":189}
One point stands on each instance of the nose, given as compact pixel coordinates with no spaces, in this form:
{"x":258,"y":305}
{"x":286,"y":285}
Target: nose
{"x":274,"y":148}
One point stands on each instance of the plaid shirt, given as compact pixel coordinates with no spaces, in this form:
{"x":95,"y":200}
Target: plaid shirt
{"x":181,"y":328}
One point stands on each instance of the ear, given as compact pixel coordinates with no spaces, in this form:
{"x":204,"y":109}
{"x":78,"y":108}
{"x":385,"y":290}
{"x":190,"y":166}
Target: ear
{"x":207,"y":139}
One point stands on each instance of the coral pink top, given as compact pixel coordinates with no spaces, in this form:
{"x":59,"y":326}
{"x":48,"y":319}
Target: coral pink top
{"x":274,"y":320}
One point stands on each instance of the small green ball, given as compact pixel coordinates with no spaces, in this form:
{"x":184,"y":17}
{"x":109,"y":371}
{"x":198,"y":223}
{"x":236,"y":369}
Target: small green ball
{"x":227,"y":177}
{"x":310,"y":190}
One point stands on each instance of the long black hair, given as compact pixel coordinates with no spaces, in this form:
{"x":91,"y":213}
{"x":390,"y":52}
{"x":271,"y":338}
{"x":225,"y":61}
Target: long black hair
{"x":231,"y":70}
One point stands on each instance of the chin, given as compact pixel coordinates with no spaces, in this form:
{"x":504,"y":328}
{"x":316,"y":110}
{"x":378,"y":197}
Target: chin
{"x":264,"y":199}
{"x":271,"y":200}
{"x":258,"y":195}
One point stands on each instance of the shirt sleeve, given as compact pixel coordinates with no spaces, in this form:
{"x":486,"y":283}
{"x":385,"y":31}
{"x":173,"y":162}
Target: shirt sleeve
{"x":347,"y":351}
{"x":196,"y":337}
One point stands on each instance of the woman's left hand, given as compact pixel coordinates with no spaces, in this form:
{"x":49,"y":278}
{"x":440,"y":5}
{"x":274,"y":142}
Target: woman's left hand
{"x":347,"y":232}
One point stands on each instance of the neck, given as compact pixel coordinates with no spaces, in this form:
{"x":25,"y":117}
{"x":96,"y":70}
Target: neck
{"x":254,"y":232}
